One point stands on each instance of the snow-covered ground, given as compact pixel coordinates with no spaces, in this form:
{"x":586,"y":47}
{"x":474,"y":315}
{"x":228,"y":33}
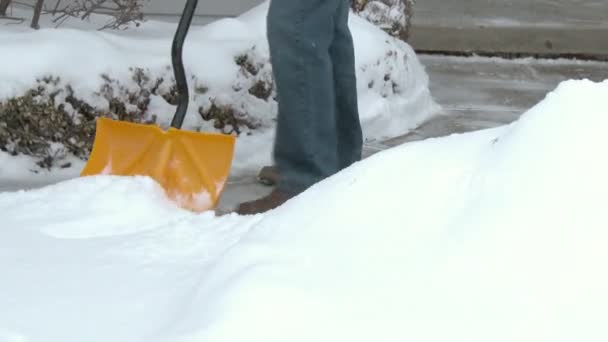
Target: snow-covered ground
{"x":393,"y":85}
{"x":494,"y":235}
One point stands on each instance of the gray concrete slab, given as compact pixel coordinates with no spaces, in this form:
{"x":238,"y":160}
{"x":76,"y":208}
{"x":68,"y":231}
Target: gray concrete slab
{"x":535,"y":27}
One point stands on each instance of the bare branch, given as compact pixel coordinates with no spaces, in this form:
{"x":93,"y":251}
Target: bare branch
{"x":36,"y":18}
{"x":122,"y":12}
{"x":56,"y":6}
{"x":19,"y":20}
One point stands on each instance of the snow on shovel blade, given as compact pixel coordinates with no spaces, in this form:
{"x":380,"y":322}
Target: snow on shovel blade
{"x":192,"y":167}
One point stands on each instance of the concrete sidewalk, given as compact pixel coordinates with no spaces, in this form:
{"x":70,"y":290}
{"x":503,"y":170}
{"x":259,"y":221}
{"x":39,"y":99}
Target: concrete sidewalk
{"x":512,"y":27}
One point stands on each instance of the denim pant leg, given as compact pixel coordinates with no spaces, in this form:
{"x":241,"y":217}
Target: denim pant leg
{"x":300,"y":33}
{"x":350,"y":136}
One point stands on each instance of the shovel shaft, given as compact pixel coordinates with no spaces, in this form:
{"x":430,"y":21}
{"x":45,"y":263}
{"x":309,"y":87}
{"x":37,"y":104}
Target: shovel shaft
{"x":178,"y":64}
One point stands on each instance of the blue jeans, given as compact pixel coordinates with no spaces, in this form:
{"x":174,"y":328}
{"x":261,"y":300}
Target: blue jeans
{"x":312,"y":55}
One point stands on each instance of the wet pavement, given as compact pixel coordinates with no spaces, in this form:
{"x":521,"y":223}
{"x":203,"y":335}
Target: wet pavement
{"x":477,"y":93}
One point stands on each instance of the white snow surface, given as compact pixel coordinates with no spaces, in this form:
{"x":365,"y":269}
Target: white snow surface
{"x":79,"y":55}
{"x":496,"y":235}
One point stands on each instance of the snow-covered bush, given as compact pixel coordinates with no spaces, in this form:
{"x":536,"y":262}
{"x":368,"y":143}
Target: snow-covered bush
{"x":50,"y":121}
{"x":393,"y":16}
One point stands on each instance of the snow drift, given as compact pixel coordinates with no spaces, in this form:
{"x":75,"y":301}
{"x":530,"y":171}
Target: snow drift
{"x":496,"y":235}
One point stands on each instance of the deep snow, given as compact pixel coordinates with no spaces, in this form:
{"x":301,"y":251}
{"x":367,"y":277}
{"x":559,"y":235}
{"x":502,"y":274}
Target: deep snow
{"x":388,"y":108}
{"x":495,"y":235}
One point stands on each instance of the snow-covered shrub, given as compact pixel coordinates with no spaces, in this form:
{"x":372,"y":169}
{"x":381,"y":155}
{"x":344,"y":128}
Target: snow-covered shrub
{"x":38,"y":125}
{"x":49,"y":121}
{"x":393,"y":16}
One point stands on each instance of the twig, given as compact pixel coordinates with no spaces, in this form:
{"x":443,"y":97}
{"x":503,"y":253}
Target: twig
{"x":56,"y":6}
{"x":20,"y":20}
{"x":122,"y":12}
{"x":37,"y":11}
{"x":63,"y":15}
{"x":66,"y":17}
{"x":93,"y":7}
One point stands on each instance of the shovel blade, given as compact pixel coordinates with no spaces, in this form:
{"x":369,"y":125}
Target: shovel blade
{"x":192,"y":167}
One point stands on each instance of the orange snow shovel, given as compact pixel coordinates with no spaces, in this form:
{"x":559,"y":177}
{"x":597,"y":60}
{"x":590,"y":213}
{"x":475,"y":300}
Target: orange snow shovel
{"x":192,"y":167}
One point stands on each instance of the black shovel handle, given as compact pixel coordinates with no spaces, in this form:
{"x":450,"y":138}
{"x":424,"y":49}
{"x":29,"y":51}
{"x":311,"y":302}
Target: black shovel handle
{"x":178,"y":64}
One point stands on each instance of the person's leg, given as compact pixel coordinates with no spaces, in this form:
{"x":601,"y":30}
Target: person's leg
{"x":350,"y":137}
{"x":300,"y":34}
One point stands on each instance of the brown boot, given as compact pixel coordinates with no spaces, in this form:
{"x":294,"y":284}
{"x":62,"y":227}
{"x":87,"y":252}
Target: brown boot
{"x":269,"y":175}
{"x":269,"y":202}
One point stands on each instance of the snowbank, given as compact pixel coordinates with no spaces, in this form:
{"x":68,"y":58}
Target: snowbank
{"x":392,"y":84}
{"x":496,"y":235}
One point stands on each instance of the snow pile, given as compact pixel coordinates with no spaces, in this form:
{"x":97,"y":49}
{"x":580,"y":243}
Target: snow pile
{"x":227,"y":64}
{"x":496,"y":235}
{"x":493,"y":236}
